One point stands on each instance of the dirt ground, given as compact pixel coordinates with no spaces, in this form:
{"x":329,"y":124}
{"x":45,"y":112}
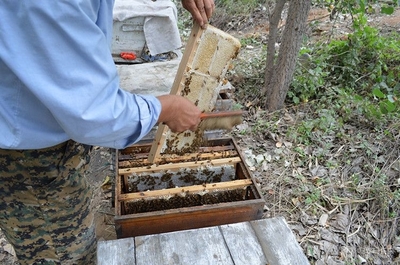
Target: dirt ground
{"x":332,"y":236}
{"x":338,"y":230}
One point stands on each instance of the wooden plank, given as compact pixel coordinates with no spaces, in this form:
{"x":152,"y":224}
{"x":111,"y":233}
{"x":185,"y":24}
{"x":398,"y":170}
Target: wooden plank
{"x":126,"y":183}
{"x":260,"y":242}
{"x":141,"y":150}
{"x":148,"y":250}
{"x":177,"y":166}
{"x":200,"y":155}
{"x":118,"y":188}
{"x":136,"y":148}
{"x":210,"y":187}
{"x":243,"y":244}
{"x":216,"y":148}
{"x":278,"y":242}
{"x":188,"y":218}
{"x":200,"y":246}
{"x":177,"y":159}
{"x":116,"y":252}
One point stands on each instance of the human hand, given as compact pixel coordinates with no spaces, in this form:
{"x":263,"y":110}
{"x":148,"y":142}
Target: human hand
{"x":179,"y":113}
{"x":201,"y":10}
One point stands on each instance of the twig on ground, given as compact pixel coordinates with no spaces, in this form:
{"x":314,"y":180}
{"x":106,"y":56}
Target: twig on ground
{"x":355,"y":232}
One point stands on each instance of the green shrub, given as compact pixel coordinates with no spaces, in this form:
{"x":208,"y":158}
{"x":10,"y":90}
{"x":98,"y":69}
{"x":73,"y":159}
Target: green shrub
{"x":366,"y":65}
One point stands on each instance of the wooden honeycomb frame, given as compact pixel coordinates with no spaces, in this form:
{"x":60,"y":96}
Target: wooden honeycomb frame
{"x":206,"y":59}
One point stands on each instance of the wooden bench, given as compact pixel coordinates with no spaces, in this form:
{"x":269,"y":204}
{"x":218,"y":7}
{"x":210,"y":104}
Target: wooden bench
{"x":260,"y":242}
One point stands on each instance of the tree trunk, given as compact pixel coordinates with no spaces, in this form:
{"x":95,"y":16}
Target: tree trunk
{"x":272,"y":40}
{"x":281,"y":75}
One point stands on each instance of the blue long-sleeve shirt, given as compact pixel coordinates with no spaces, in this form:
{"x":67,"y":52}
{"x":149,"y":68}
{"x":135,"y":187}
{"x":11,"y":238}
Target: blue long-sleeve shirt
{"x":58,"y":80}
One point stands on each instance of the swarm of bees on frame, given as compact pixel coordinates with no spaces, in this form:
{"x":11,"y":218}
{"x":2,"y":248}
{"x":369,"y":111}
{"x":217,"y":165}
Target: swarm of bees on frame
{"x":183,"y":177}
{"x":180,"y":177}
{"x":184,"y":200}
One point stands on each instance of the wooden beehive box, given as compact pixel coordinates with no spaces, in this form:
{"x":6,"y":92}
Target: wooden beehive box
{"x":207,"y":188}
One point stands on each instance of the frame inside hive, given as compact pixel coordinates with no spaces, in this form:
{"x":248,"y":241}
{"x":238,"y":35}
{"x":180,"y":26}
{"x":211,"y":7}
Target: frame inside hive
{"x":213,"y":180}
{"x":181,"y":181}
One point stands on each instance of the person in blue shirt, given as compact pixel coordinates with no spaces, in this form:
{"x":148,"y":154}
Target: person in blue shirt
{"x":60,"y":95}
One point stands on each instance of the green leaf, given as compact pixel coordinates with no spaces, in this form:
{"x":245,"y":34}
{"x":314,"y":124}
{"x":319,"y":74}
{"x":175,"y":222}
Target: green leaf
{"x":389,"y":106}
{"x":386,"y":107}
{"x":375,"y":112}
{"x":358,"y":97}
{"x":378,"y":93}
{"x":388,"y":10}
{"x":362,"y":6}
{"x":382,"y":107}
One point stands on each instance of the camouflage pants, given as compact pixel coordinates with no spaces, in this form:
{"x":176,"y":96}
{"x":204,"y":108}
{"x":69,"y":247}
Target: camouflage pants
{"x":44,"y":204}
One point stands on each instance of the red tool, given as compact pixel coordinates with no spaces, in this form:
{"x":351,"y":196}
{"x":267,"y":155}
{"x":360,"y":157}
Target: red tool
{"x":128,"y":55}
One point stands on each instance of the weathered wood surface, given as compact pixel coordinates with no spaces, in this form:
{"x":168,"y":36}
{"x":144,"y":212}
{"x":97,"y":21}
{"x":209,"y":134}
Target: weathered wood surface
{"x":133,"y":225}
{"x":177,"y":166}
{"x":116,"y":252}
{"x":277,"y":241}
{"x":219,"y":186}
{"x":260,"y":242}
{"x":243,"y":244}
{"x":203,"y":246}
{"x":178,"y":159}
